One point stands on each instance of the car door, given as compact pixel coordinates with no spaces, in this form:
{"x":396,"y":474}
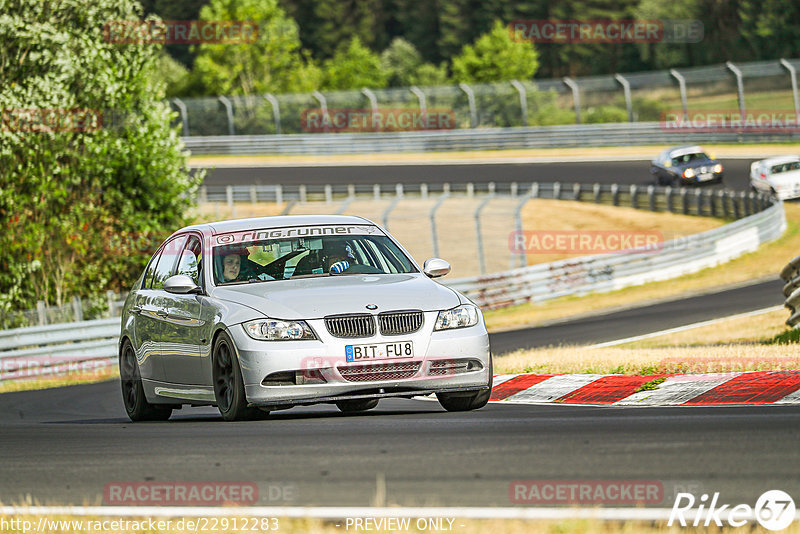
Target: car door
{"x":180,"y":351}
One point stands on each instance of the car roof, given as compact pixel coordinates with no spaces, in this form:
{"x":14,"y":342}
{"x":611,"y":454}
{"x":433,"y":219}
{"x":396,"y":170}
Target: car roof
{"x":280,"y":221}
{"x":683,"y":150}
{"x":777,"y":160}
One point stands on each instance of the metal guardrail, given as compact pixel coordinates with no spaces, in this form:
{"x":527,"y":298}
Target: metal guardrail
{"x":608,"y":272}
{"x":791,"y":275}
{"x":611,"y":134}
{"x":58,"y":349}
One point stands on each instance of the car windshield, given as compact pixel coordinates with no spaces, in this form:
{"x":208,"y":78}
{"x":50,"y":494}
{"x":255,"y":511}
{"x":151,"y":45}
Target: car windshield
{"x":283,"y":258}
{"x":689,"y":158}
{"x":786,"y":167}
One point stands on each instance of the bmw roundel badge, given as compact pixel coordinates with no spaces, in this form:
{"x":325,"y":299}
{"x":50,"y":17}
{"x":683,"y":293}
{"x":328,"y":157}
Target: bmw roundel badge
{"x":372,"y":307}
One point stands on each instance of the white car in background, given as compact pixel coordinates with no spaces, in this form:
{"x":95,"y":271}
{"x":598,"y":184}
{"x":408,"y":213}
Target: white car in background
{"x":779,"y":175}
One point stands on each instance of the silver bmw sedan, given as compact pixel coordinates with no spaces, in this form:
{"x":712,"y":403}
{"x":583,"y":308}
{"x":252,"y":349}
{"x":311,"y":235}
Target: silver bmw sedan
{"x":263,"y":314}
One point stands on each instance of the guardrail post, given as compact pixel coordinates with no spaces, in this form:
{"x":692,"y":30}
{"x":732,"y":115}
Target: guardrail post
{"x":651,"y":197}
{"x":481,"y":259}
{"x":228,"y":112}
{"x":203,"y":196}
{"x":614,"y":195}
{"x":432,"y":217}
{"x":77,"y":308}
{"x":596,"y":193}
{"x":328,"y":193}
{"x":669,"y":198}
{"x":523,"y":100}
{"x":279,"y":194}
{"x":184,"y":115}
{"x":712,"y":202}
{"x":41,"y":309}
{"x":470,"y":190}
{"x":376,"y":191}
{"x":373,"y":102}
{"x":351,"y":191}
{"x":446,"y":187}
{"x":626,"y":88}
{"x":682,"y":85}
{"x":423,"y":190}
{"x":634,"y":193}
{"x":323,"y":104}
{"x":576,"y":191}
{"x":723,"y":199}
{"x":576,"y":97}
{"x":229,"y":195}
{"x":514,"y":189}
{"x":423,"y":106}
{"x":534,"y":191}
{"x":303,"y":193}
{"x":737,"y":214}
{"x":253,"y":195}
{"x":473,"y":112}
{"x":557,"y":191}
{"x":793,"y":75}
{"x":398,"y":190}
{"x":276,"y":111}
{"x":739,"y":85}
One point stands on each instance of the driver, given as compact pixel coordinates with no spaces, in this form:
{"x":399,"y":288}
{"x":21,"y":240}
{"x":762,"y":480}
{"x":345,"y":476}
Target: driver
{"x":231,"y":266}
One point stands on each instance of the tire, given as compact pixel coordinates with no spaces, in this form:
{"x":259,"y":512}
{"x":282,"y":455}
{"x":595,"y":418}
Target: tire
{"x":228,"y":382}
{"x":455,"y":402}
{"x":356,"y":405}
{"x":136,"y":405}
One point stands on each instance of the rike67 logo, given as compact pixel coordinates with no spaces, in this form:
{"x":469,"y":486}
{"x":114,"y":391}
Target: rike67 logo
{"x":774,"y":510}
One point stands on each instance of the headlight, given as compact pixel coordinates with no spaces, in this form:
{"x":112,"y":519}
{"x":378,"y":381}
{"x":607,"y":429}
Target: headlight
{"x":276,"y":330}
{"x":718,"y":168}
{"x":688,"y":173}
{"x":465,"y":315}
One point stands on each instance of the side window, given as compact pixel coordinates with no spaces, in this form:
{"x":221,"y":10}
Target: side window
{"x":167,"y":261}
{"x":151,"y":268}
{"x":190,"y":262}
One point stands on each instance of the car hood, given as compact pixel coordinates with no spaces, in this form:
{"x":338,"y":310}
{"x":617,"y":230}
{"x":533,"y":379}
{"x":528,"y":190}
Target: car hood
{"x":313,"y":298}
{"x":709,"y":164}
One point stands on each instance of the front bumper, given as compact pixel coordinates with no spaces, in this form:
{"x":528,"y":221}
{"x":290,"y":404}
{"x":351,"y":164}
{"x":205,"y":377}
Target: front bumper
{"x":427,"y":371}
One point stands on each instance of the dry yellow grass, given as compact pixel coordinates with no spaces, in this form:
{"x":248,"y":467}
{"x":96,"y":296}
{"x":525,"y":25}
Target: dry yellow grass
{"x":98,"y":375}
{"x":616,"y":360}
{"x":768,"y":260}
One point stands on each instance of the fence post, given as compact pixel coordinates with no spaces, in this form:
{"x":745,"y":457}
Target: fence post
{"x":736,"y":209}
{"x":576,"y":191}
{"x":685,"y":200}
{"x":432,"y":217}
{"x":739,"y":85}
{"x":303,"y":193}
{"x":253,"y":195}
{"x":651,"y":197}
{"x":446,"y":188}
{"x":523,"y":257}
{"x":77,"y":308}
{"x":470,"y":190}
{"x":634,"y":193}
{"x":596,"y":193}
{"x":328,"y":193}
{"x":473,"y":112}
{"x":557,"y":191}
{"x":626,"y":88}
{"x":376,"y":191}
{"x":398,"y":190}
{"x":614,"y":195}
{"x":41,"y":309}
{"x":682,"y":85}
{"x":229,"y":195}
{"x":351,"y":191}
{"x":481,"y":259}
{"x":276,"y":112}
{"x":279,"y":194}
{"x":523,"y":101}
{"x":228,"y":112}
{"x":534,"y":191}
{"x":491,"y":187}
{"x":423,"y":190}
{"x":323,"y":103}
{"x":373,"y":102}
{"x":423,"y":106}
{"x":793,"y":75}
{"x":576,"y":97}
{"x":184,"y":115}
{"x":110,"y":299}
{"x":712,"y":203}
{"x":724,"y":198}
{"x":514,"y":189}
{"x":668,"y":195}
{"x":699,"y":197}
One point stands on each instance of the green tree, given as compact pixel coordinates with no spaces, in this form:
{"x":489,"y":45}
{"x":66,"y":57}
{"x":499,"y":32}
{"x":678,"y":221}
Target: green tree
{"x":495,"y":57}
{"x":354,"y":66}
{"x":273,"y":63}
{"x":404,"y":67}
{"x":88,"y":192}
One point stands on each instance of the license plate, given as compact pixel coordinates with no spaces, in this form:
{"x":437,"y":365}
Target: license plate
{"x":379,"y":351}
{"x":705,"y":176}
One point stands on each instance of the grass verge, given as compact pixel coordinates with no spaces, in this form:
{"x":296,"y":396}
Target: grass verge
{"x":100,"y":375}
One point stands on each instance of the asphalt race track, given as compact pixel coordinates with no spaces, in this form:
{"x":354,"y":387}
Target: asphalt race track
{"x":64,"y":446}
{"x":737,"y":172}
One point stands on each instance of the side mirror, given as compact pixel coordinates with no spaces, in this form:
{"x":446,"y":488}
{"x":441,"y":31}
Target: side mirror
{"x":181,"y":284}
{"x":435,"y":267}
